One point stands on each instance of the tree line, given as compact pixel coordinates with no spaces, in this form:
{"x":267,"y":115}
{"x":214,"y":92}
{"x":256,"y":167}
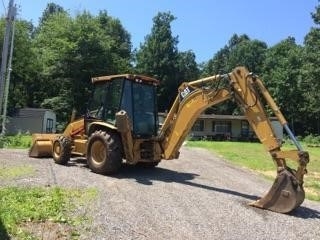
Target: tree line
{"x":54,"y":61}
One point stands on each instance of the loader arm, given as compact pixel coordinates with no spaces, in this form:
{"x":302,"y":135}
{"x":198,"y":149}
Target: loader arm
{"x":247,"y":90}
{"x":42,"y":144}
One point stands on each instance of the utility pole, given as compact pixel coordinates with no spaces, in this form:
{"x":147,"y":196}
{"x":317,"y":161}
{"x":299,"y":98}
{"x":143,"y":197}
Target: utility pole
{"x":8,"y":39}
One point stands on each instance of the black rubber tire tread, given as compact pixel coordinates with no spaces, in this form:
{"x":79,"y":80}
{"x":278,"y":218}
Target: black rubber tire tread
{"x":63,"y":156}
{"x":111,"y":158}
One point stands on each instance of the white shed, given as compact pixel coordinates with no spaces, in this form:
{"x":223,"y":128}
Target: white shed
{"x":32,"y":120}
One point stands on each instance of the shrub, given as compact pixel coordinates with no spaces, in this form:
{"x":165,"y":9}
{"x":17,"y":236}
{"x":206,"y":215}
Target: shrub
{"x":312,"y":139}
{"x":16,"y":141}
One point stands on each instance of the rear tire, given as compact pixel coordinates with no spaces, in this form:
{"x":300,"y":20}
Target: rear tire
{"x":104,"y":155}
{"x":61,"y":150}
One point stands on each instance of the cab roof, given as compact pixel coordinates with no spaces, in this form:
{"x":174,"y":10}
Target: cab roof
{"x":132,"y":77}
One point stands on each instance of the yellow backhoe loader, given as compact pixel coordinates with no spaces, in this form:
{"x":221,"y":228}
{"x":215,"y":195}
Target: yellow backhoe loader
{"x":122,"y":124}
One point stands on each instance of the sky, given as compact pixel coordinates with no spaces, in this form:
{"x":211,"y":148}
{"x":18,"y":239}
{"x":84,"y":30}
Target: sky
{"x":203,"y":26}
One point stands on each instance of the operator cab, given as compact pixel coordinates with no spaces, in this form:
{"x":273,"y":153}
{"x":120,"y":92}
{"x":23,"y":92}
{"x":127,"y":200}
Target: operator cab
{"x":134,"y":94}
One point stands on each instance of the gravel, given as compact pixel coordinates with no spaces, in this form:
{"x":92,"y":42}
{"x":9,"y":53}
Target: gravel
{"x":198,"y":196}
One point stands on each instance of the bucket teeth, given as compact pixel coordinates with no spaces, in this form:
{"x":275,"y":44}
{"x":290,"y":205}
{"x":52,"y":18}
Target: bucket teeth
{"x":285,"y":195}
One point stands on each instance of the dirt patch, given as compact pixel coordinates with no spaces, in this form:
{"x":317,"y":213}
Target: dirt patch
{"x":49,"y":230}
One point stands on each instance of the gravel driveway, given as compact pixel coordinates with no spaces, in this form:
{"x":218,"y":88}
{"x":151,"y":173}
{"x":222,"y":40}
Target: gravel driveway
{"x":198,"y":196}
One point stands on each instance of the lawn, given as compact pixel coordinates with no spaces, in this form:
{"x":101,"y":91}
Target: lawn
{"x":25,"y":209}
{"x":16,"y":141}
{"x":255,"y":157}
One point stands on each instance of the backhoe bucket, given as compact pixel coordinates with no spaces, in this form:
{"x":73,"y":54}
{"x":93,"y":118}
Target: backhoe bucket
{"x":41,"y":145}
{"x":285,"y":194}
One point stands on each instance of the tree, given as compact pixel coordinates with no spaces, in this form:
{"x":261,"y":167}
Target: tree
{"x":51,"y":9}
{"x":248,"y":53}
{"x":282,"y":75}
{"x":25,"y":66}
{"x":217,"y":64}
{"x":240,"y":51}
{"x":120,"y":42}
{"x":311,"y":75}
{"x":72,"y":51}
{"x":158,"y":56}
{"x":187,"y":66}
{"x":316,"y":15}
{"x":51,"y":43}
{"x":102,"y":47}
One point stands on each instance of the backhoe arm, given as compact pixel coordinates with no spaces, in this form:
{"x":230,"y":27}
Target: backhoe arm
{"x":247,"y":90}
{"x":188,"y":105}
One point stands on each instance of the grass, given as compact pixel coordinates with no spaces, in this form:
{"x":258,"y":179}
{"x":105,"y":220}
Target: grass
{"x":24,"y":211}
{"x":16,"y":141}
{"x":254,"y":156}
{"x":19,"y":206}
{"x":24,"y":208}
{"x":7,"y":173}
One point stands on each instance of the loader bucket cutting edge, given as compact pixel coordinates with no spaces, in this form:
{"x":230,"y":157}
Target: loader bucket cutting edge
{"x":42,"y":145}
{"x":285,"y":195}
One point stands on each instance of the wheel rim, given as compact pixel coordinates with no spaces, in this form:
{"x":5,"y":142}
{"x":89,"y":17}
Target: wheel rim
{"x":98,"y":152}
{"x":56,"y":149}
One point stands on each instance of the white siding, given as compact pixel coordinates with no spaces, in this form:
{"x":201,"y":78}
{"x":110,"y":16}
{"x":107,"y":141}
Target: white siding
{"x":31,"y":120}
{"x":22,"y":125}
{"x":235,"y":128}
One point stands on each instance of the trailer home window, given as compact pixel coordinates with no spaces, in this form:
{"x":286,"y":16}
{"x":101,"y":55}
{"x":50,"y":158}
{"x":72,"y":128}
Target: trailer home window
{"x":221,"y":126}
{"x":244,"y":128}
{"x":198,"y":126}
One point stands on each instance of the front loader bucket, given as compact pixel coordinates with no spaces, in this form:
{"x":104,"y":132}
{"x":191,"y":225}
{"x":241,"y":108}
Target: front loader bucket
{"x":285,"y":194}
{"x":41,"y":145}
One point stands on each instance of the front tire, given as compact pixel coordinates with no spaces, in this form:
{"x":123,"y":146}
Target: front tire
{"x":61,"y":150}
{"x":104,"y":155}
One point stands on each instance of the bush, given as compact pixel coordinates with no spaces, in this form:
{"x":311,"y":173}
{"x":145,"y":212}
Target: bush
{"x":2,"y":141}
{"x":312,"y":140}
{"x":16,"y":141}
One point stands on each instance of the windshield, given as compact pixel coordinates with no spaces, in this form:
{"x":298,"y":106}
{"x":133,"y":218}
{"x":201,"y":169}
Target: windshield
{"x":98,"y":101}
{"x":144,"y":110}
{"x":106,"y":100}
{"x":136,"y":98}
